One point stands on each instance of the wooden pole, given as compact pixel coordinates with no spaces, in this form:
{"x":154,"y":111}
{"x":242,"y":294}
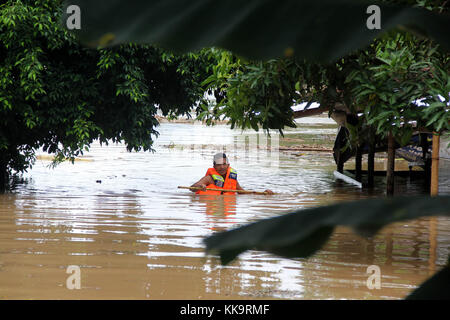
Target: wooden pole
{"x":358,"y":163}
{"x":340,"y":166}
{"x":224,"y":190}
{"x":390,"y":165}
{"x":371,"y":165}
{"x":434,"y":188}
{"x":340,"y":163}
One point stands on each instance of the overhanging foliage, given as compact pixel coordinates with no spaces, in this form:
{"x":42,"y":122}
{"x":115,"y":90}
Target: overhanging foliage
{"x":322,"y":30}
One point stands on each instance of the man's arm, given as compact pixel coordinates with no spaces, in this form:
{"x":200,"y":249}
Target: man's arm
{"x":202,"y":183}
{"x":238,"y":186}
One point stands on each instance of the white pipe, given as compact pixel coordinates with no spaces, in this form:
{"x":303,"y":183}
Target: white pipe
{"x":341,"y":176}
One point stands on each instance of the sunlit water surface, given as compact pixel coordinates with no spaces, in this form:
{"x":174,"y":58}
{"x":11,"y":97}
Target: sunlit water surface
{"x":121,"y":219}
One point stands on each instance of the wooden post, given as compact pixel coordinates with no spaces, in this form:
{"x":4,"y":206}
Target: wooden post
{"x":371,"y":165}
{"x":358,"y":162}
{"x":340,"y":167}
{"x":390,"y":165}
{"x":434,"y":188}
{"x":340,"y":163}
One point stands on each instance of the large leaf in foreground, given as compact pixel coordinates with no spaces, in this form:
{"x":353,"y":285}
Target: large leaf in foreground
{"x":315,"y":29}
{"x":303,"y":232}
{"x":435,"y":288}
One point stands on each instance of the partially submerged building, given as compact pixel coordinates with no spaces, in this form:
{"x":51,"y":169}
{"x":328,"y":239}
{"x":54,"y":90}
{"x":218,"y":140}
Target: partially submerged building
{"x":427,"y":153}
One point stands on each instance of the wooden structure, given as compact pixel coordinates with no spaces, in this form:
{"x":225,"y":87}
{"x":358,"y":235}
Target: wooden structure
{"x":372,"y":148}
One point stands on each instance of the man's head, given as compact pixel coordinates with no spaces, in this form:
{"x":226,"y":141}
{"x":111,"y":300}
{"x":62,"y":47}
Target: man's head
{"x":221,"y":163}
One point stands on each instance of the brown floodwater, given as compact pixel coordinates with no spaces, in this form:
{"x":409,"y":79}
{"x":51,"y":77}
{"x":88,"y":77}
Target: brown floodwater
{"x":121,"y":220}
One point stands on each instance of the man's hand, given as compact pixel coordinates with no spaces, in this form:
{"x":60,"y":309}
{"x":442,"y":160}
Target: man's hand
{"x":202,"y":186}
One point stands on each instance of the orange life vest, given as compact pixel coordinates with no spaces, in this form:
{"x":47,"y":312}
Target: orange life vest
{"x":230,"y":182}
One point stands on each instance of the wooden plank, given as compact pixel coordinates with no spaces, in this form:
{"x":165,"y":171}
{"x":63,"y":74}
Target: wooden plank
{"x":310,"y":112}
{"x":358,"y":163}
{"x":434,"y":188}
{"x":371,"y":165}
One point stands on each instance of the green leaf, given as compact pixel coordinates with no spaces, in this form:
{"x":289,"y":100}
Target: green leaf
{"x":301,"y":233}
{"x":404,"y":136}
{"x":434,"y":118}
{"x":320,"y":30}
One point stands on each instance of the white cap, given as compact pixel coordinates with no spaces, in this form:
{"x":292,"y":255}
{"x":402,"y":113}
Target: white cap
{"x":219,"y":158}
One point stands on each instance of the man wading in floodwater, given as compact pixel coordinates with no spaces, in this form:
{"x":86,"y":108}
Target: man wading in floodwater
{"x":221,"y":176}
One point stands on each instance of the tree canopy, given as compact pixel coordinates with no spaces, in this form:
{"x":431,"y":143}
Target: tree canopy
{"x":58,"y":95}
{"x":287,"y":52}
{"x":387,"y":82}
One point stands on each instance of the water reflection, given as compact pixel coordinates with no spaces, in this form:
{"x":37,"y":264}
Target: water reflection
{"x":136,"y":236}
{"x":219,"y":206}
